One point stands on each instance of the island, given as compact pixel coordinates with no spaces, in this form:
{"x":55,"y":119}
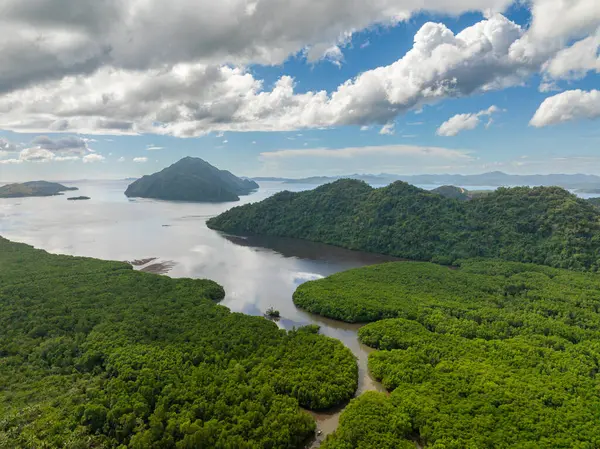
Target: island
{"x":545,"y":225}
{"x":33,"y":188}
{"x":191,"y":179}
{"x":78,"y":198}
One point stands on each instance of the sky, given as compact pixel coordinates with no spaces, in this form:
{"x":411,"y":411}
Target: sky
{"x":122,"y":88}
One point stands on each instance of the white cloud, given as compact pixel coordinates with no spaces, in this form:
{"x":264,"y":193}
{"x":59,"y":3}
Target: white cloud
{"x":36,"y":154}
{"x":147,"y":34}
{"x":7,"y":146}
{"x":464,"y":122}
{"x":332,"y":54}
{"x":63,"y":146}
{"x":575,"y":61}
{"x":140,"y":160}
{"x":46,"y":149}
{"x":154,"y":148}
{"x":193,"y":99}
{"x":90,"y":158}
{"x":562,"y":20}
{"x":567,"y":106}
{"x":121,"y":159}
{"x":350,"y":152}
{"x":387,"y":129}
{"x":145,"y":66}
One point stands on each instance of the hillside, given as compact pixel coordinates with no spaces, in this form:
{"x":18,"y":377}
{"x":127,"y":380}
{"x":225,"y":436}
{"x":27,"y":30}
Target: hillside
{"x":545,"y":225}
{"x":191,"y":179}
{"x":489,"y":354}
{"x":94,"y":354}
{"x":33,"y":188}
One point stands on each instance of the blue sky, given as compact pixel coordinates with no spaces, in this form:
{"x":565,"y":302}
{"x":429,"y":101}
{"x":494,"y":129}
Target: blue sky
{"x":470,"y":108}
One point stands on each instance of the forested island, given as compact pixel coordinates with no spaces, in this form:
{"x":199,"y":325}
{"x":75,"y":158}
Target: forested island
{"x":96,"y":354}
{"x":191,"y":179}
{"x":33,"y":188}
{"x":544,"y":225}
{"x":490,"y":354}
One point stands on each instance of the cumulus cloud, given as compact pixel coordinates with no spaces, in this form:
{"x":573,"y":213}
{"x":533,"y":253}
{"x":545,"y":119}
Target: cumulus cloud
{"x":69,"y":145}
{"x":562,"y":20}
{"x":46,"y":149}
{"x":193,"y":99}
{"x":387,"y":129}
{"x":567,"y":106}
{"x":464,"y":122}
{"x":7,"y":147}
{"x":91,"y":158}
{"x":42,"y":41}
{"x":575,"y":61}
{"x":38,"y":154}
{"x":146,"y":66}
{"x":140,"y":160}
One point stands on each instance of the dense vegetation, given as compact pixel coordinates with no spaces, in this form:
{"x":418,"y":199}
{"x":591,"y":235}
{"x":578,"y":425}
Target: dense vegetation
{"x":491,"y":354}
{"x":78,"y":198}
{"x":595,"y":201}
{"x":33,"y":188}
{"x":543,"y":225}
{"x":95,"y":354}
{"x":191,"y":179}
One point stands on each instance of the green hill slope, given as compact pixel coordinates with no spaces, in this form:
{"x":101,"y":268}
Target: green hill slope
{"x":95,"y":354}
{"x":191,"y":179}
{"x":545,"y":225}
{"x":33,"y":188}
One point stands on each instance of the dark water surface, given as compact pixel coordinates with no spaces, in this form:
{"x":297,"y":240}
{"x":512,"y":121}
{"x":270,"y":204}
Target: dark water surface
{"x":257,"y":273}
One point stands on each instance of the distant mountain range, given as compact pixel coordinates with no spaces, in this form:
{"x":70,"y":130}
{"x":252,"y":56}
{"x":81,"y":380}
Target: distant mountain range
{"x":492,"y":179}
{"x":33,"y":188}
{"x":191,"y":179}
